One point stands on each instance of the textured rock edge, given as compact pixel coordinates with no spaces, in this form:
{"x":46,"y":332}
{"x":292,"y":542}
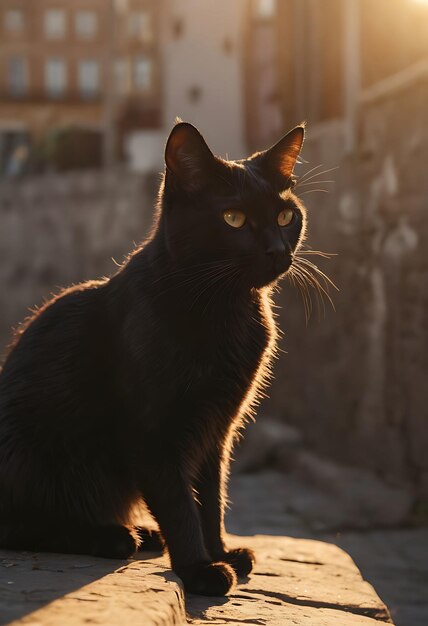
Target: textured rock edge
{"x":294,"y":579}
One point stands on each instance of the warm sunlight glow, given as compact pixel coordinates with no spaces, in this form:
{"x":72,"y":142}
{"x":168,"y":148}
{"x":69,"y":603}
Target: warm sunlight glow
{"x":421,"y":2}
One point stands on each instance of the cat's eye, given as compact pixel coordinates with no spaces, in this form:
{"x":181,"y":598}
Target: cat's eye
{"x":236,"y":219}
{"x":285,"y":217}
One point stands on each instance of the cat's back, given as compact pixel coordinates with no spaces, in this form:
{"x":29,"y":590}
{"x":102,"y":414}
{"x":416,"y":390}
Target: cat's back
{"x":56,"y":354}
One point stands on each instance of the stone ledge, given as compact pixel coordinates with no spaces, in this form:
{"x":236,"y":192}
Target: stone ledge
{"x":295,"y":582}
{"x":65,"y":590}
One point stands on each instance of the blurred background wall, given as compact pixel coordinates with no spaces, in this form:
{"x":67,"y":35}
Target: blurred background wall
{"x":88,"y":93}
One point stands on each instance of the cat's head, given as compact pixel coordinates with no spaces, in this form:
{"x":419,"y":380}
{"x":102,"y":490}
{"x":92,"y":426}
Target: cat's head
{"x":240,"y":214}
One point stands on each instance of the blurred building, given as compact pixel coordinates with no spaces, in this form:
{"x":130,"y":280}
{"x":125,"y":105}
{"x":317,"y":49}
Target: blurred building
{"x":311,"y":60}
{"x":203,"y":54}
{"x":91,"y":64}
{"x":263,"y":115}
{"x":202,"y":45}
{"x":86,"y":80}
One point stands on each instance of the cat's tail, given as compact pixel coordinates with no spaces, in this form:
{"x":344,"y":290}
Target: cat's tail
{"x":110,"y":541}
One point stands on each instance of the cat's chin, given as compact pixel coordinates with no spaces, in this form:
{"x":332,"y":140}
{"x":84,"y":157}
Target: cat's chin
{"x":267,"y":282}
{"x":268,"y":278}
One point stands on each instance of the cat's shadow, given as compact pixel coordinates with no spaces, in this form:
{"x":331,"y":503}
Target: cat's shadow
{"x":29,"y":582}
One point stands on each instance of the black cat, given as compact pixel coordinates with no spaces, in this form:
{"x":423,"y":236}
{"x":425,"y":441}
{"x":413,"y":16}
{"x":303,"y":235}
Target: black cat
{"x":133,"y":388}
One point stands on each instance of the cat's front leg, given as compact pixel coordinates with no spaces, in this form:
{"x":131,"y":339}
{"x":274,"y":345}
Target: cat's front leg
{"x":169,"y":496}
{"x":212,"y":495}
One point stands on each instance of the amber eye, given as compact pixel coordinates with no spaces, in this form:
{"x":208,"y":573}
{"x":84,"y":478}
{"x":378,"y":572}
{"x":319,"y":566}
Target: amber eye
{"x":285,"y":217}
{"x":236,"y":219}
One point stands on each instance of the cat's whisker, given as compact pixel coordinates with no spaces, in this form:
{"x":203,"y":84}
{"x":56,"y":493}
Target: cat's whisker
{"x":306,"y":179}
{"x":309,"y":251}
{"x":192,"y":271}
{"x":213,"y":281}
{"x":309,"y":284}
{"x":299,"y":195}
{"x":209,"y":290}
{"x":306,"y":174}
{"x":222,"y":285}
{"x":316,"y":182}
{"x":297,"y":280}
{"x":306,"y":274}
{"x":196,"y":275}
{"x":192,"y":280}
{"x":312,"y":279}
{"x":317,"y":270}
{"x":200,"y":284}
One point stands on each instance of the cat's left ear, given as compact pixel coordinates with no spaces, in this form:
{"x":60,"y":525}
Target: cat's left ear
{"x":278,"y":161}
{"x":188,"y":158}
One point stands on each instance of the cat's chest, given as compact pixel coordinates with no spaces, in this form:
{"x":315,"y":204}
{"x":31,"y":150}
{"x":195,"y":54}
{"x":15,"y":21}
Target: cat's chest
{"x":199,"y":370}
{"x":219,"y":365}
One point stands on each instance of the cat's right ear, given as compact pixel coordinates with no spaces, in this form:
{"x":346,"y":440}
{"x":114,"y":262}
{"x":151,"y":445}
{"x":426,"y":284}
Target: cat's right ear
{"x":188,"y":158}
{"x":278,"y":161}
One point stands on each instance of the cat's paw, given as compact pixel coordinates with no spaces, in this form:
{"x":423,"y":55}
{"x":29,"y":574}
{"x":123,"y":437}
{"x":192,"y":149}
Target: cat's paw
{"x":241,"y":559}
{"x":151,"y":540}
{"x":114,"y":542}
{"x":208,"y":579}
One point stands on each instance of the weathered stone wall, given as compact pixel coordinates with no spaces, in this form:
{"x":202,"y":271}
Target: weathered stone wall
{"x":356,"y":380}
{"x":61,"y":229}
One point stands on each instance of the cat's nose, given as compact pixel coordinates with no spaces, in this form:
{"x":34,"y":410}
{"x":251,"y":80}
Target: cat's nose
{"x":276,"y":254}
{"x":276,"y":249}
{"x":273,"y":243}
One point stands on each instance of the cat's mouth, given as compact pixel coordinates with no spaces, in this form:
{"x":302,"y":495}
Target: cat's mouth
{"x":271,"y":270}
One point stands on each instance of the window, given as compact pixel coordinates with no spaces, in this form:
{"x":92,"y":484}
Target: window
{"x":86,"y":24}
{"x":14,"y":152}
{"x":142,"y":73}
{"x":54,"y":23}
{"x":14,"y":20}
{"x":265,"y":9}
{"x":17,"y":76}
{"x":139,"y":26}
{"x":121,"y":76}
{"x":89,"y":78}
{"x":55,"y":77}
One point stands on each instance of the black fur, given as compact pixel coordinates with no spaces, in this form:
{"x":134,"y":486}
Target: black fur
{"x":134,"y":387}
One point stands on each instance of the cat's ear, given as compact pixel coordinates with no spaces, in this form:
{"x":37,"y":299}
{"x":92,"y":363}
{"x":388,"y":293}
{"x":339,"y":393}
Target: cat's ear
{"x":188,"y":157}
{"x":278,"y":161}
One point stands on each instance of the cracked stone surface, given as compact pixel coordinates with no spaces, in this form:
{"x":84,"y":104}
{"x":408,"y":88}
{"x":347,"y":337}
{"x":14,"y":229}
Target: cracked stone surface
{"x":394,"y":560}
{"x":296,"y":581}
